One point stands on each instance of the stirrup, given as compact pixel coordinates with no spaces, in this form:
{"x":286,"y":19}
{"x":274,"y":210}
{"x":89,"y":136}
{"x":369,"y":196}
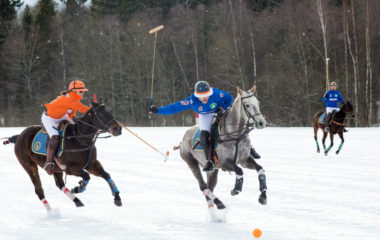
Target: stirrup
{"x":209,"y":166}
{"x":327,"y":129}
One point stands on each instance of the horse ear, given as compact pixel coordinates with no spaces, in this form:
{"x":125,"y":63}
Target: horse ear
{"x":253,"y":89}
{"x":238,"y":91}
{"x":93,"y":104}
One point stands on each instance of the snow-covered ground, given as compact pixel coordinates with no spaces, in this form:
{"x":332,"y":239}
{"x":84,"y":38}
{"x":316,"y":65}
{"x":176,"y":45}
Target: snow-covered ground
{"x":310,"y":196}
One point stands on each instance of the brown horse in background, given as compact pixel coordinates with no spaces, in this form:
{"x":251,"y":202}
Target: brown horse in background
{"x":78,"y":157}
{"x":337,"y":125}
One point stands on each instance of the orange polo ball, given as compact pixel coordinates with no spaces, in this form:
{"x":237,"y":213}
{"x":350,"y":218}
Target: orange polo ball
{"x":257,"y":233}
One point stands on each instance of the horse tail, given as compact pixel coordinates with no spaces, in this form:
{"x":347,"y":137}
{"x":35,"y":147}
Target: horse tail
{"x":10,"y":140}
{"x":177,"y":147}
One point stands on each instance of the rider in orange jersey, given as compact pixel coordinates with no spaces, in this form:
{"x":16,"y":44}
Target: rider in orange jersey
{"x":63,"y":107}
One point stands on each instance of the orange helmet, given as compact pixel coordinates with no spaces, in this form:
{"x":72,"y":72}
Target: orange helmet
{"x":77,"y":85}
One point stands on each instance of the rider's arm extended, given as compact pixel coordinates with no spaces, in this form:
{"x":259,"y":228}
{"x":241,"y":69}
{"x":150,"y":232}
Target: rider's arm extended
{"x":176,"y":107}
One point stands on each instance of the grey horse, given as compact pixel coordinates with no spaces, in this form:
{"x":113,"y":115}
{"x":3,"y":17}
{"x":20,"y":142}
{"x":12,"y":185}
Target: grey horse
{"x":234,"y":149}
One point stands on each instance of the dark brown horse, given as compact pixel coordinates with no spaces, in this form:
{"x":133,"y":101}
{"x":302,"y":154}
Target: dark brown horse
{"x":78,"y":157}
{"x":338,"y":121}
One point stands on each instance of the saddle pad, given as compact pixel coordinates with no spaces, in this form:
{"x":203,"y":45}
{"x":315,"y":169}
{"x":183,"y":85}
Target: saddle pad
{"x":39,"y":143}
{"x":196,"y":140}
{"x":321,"y":119}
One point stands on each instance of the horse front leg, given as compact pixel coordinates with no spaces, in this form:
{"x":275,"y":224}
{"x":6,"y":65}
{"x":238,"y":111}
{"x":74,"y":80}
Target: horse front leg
{"x":83,"y":183}
{"x":97,"y":170}
{"x":61,"y":185}
{"x":238,"y":181}
{"x":341,"y":143}
{"x":331,"y":143}
{"x":252,"y":164}
{"x":195,"y":169}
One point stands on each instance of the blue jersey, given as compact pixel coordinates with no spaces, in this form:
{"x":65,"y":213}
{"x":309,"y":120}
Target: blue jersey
{"x":219,"y":99}
{"x":331,"y":98}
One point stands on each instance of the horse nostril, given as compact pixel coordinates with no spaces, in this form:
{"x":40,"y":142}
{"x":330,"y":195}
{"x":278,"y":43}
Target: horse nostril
{"x":261,"y":124}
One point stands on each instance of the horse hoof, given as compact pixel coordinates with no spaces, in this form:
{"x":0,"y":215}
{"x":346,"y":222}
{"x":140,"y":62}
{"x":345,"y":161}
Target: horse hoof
{"x":326,"y":153}
{"x":234,"y":192}
{"x":118,"y":203}
{"x":117,"y":200}
{"x":263,"y":198}
{"x":78,"y":202}
{"x":219,"y":204}
{"x":318,"y":151}
{"x":337,"y":152}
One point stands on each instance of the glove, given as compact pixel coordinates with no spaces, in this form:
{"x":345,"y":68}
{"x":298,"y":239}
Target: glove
{"x":219,"y":113}
{"x":153,"y":109}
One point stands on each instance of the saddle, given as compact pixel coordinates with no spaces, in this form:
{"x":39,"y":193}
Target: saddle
{"x":321,"y":119}
{"x":39,"y":144}
{"x":196,"y":140}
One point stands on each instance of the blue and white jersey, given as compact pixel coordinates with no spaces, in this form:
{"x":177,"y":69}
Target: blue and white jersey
{"x":331,"y":98}
{"x":218,"y":99}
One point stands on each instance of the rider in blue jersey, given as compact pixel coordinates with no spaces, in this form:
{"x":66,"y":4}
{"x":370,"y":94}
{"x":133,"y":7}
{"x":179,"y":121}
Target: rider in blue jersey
{"x":210,"y":103}
{"x":331,"y":98}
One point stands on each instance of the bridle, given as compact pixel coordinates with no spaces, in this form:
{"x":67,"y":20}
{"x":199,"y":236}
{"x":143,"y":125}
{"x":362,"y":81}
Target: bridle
{"x":247,"y":127}
{"x":249,"y":115}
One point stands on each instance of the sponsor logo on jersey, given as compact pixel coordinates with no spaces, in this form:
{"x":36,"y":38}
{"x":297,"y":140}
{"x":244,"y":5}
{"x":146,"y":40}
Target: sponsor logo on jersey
{"x":200,"y":109}
{"x":213,"y":105}
{"x":221,"y":95}
{"x":185,"y":102}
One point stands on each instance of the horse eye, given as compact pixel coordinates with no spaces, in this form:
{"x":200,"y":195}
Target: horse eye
{"x":247,"y":105}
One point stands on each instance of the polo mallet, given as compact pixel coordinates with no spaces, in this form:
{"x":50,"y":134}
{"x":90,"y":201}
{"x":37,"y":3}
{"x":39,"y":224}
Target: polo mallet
{"x":155,"y":31}
{"x":166,"y":156}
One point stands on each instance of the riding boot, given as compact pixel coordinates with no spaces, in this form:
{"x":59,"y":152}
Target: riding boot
{"x":51,"y":148}
{"x":205,"y":143}
{"x":254,"y":154}
{"x":345,"y":130}
{"x":327,"y":122}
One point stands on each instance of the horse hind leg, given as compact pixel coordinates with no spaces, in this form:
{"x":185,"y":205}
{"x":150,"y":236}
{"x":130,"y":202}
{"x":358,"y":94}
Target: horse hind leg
{"x":61,"y":185}
{"x":316,"y":138}
{"x":99,"y":171}
{"x":32,"y":169}
{"x":209,"y":195}
{"x":331,"y":144}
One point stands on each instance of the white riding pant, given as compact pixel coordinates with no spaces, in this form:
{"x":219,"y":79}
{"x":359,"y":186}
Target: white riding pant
{"x":205,"y":121}
{"x":51,"y":124}
{"x":330,"y":109}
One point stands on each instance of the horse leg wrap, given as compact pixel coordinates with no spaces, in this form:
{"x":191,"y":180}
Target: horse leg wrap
{"x":67,"y":192}
{"x":81,"y":188}
{"x":113,"y":187}
{"x":262,"y":181}
{"x":209,"y":194}
{"x":239,"y":183}
{"x":46,"y":204}
{"x":210,"y":203}
{"x":340,"y":147}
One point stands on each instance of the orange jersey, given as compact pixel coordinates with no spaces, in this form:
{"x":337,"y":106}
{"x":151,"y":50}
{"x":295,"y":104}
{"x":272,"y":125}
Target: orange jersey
{"x":68,"y":103}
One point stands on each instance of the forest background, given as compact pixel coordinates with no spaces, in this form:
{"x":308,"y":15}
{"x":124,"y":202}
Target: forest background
{"x":282,"y":46}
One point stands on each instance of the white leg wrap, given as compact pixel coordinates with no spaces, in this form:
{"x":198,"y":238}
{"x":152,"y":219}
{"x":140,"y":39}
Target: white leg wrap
{"x":239,"y":176}
{"x":67,"y":192}
{"x":210,"y":203}
{"x":209,"y":194}
{"x":261,"y":172}
{"x":46,"y":204}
